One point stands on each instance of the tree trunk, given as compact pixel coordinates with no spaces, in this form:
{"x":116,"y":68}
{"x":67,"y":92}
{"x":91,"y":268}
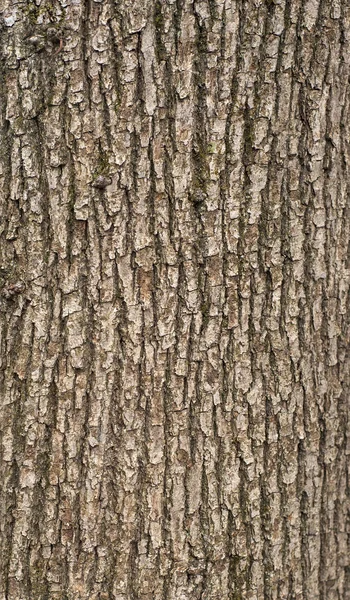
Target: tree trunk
{"x":174,"y":299}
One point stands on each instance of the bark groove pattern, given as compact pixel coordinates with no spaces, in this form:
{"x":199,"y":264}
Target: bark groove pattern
{"x":174,"y":299}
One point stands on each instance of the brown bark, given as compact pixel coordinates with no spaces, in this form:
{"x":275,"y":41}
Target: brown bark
{"x":174,"y":299}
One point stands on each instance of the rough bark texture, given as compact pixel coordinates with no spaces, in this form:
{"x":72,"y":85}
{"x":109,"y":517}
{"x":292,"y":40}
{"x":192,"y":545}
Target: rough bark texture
{"x":174,"y":299}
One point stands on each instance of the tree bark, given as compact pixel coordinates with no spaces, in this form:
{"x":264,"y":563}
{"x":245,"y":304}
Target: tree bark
{"x":174,"y":299}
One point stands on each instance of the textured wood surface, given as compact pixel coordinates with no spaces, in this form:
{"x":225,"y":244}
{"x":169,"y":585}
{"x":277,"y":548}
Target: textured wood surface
{"x":174,"y":299}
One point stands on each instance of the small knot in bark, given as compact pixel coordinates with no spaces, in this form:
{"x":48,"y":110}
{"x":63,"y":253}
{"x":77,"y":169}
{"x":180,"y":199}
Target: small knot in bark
{"x":101,"y":182}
